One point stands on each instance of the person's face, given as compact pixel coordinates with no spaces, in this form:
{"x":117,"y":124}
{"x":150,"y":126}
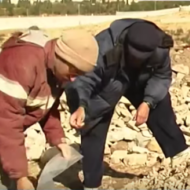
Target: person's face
{"x":133,"y":61}
{"x":65,"y":72}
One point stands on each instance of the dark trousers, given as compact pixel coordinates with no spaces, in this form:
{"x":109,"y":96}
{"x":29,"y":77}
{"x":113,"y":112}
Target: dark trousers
{"x":161,"y":121}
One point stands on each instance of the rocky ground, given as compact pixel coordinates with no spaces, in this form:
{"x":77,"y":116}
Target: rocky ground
{"x":133,"y":159}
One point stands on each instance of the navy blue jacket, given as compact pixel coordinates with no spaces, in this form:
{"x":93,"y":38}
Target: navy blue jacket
{"x":155,"y":80}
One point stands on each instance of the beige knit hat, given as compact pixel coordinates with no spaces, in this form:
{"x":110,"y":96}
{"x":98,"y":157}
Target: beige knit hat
{"x":78,"y":48}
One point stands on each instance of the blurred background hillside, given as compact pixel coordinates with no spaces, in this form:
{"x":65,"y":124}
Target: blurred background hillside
{"x":79,"y":7}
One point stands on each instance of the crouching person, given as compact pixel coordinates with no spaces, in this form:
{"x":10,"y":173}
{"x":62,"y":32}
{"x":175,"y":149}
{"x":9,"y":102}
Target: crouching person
{"x":135,"y":65}
{"x":33,"y":69}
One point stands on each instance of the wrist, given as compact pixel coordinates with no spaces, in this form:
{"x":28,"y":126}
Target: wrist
{"x":63,"y":141}
{"x":83,"y":104}
{"x":21,"y":179}
{"x":82,"y":107}
{"x":62,"y":144}
{"x":148,"y":104}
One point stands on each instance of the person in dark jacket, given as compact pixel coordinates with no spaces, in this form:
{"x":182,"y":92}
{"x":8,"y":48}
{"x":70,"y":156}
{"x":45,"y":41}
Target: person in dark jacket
{"x":134,"y":62}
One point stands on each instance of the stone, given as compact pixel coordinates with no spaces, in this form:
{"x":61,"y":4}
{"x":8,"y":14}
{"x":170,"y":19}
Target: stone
{"x":120,"y":134}
{"x":185,"y":91}
{"x":187,"y":139}
{"x":141,"y":140}
{"x":180,"y":68}
{"x":120,"y":145}
{"x":129,"y":134}
{"x":139,"y":150}
{"x":133,"y":113}
{"x":125,"y":101}
{"x":174,"y":101}
{"x":187,"y":120}
{"x":119,"y":123}
{"x":126,"y":113}
{"x":118,"y":156}
{"x":174,"y":91}
{"x":35,"y":142}
{"x":131,"y":107}
{"x":187,"y":100}
{"x":181,"y":109}
{"x":131,"y":125}
{"x":116,"y":135}
{"x":185,"y":130}
{"x":135,"y":159}
{"x":180,"y":76}
{"x":143,"y":127}
{"x":146,"y":133}
{"x":107,"y":150}
{"x":151,"y":159}
{"x":154,"y":146}
{"x":166,"y":162}
{"x":179,"y":119}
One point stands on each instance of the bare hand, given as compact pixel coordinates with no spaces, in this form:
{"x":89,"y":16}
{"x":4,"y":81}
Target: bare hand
{"x":142,"y":114}
{"x":65,"y":150}
{"x":77,"y":118}
{"x":24,"y":184}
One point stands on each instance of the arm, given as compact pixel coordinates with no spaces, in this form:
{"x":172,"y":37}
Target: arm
{"x":24,"y":94}
{"x":16,"y":78}
{"x":52,"y":128}
{"x":85,"y":85}
{"x":158,"y":85}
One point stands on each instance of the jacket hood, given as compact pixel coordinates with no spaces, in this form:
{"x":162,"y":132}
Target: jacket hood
{"x":12,"y":41}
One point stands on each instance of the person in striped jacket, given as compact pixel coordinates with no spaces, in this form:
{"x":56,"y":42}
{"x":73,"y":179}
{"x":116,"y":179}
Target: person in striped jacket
{"x":33,"y":69}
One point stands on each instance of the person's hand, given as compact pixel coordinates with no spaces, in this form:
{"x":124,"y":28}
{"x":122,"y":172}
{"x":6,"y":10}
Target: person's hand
{"x":142,"y":114}
{"x":24,"y":184}
{"x":65,"y":150}
{"x":77,"y":118}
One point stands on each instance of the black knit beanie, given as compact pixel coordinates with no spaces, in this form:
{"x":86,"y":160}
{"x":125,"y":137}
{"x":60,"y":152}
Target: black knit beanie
{"x":143,"y":36}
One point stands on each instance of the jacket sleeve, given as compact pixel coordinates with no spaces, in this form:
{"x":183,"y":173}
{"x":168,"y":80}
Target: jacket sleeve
{"x":85,"y":85}
{"x":16,"y":80}
{"x":158,"y":85}
{"x":24,"y":94}
{"x":51,"y":126}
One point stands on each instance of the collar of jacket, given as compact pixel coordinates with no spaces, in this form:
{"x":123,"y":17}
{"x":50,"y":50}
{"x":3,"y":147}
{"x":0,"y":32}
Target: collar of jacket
{"x":50,"y":54}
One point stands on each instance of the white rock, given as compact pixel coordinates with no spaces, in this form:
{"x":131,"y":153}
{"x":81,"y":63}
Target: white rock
{"x":139,"y":150}
{"x":125,"y":101}
{"x":118,"y":155}
{"x":116,"y":135}
{"x":179,"y":119}
{"x":131,"y":107}
{"x":107,"y":150}
{"x":180,"y":68}
{"x":143,"y":127}
{"x":141,"y":140}
{"x":131,"y":125}
{"x":35,"y":142}
{"x":185,"y":91}
{"x":146,"y":133}
{"x":187,"y":121}
{"x":135,"y":159}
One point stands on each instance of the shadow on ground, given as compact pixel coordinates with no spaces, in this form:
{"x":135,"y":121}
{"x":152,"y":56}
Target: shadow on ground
{"x":70,"y":178}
